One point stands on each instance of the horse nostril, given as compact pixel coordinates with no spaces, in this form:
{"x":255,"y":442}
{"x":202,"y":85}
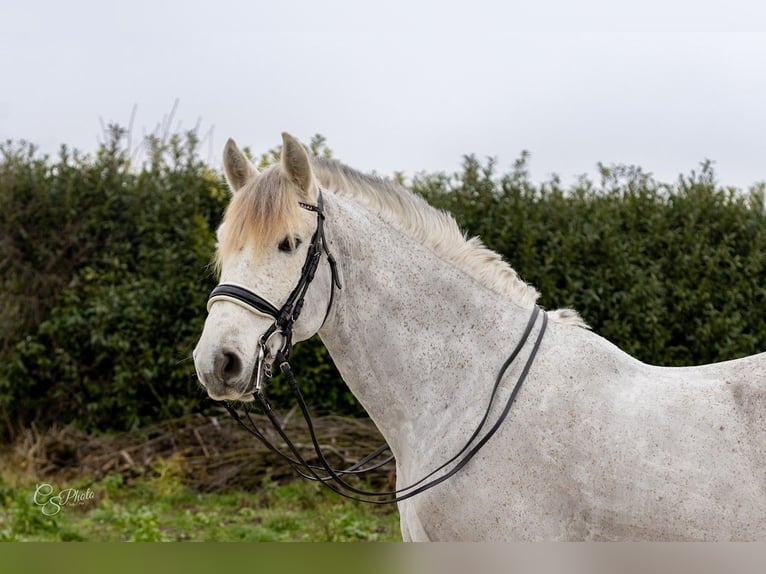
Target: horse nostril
{"x":229,"y":366}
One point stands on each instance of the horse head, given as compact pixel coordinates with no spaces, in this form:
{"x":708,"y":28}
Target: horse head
{"x":269,"y":247}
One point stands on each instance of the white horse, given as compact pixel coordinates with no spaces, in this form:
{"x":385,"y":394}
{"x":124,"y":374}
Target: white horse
{"x":597,"y":446}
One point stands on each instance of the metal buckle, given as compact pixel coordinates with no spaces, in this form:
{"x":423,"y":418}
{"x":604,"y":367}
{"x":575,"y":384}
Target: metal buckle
{"x":265,"y":344}
{"x":259,"y":370}
{"x":262,"y":365}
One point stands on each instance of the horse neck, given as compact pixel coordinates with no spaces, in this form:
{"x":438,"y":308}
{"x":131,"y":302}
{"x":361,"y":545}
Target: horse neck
{"x":412,"y":335}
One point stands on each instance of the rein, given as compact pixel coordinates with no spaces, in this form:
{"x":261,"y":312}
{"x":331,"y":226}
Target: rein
{"x":284,"y":320}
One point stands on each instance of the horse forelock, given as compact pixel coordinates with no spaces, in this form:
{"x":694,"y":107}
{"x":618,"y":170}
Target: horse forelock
{"x":263,"y":212}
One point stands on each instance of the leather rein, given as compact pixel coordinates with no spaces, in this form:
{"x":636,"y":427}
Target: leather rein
{"x":284,"y":319}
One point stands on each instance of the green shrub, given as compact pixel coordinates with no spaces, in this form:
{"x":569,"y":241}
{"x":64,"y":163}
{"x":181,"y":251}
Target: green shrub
{"x":114,"y":263}
{"x":105,"y":269}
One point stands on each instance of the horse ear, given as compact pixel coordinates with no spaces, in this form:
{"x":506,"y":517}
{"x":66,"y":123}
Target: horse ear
{"x":297,"y":166}
{"x":236,"y":166}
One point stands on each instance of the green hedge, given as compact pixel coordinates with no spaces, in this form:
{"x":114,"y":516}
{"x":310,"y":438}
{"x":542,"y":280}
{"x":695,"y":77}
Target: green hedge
{"x":106,"y":267}
{"x":105,"y":270}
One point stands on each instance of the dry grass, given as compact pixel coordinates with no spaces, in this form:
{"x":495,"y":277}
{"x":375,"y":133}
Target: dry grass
{"x":210,"y":453}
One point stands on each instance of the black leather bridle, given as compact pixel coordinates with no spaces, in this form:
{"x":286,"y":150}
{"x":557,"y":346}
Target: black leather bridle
{"x":284,"y":319}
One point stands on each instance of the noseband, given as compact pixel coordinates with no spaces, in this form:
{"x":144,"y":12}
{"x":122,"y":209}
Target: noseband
{"x":284,"y":320}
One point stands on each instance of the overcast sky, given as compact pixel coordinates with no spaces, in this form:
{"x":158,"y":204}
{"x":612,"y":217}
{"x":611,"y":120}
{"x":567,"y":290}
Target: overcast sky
{"x":403,"y":85}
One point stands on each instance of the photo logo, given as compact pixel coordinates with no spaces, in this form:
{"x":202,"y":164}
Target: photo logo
{"x":51,"y":503}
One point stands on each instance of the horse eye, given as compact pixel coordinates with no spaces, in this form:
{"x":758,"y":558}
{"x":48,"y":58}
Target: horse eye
{"x":286,"y":246}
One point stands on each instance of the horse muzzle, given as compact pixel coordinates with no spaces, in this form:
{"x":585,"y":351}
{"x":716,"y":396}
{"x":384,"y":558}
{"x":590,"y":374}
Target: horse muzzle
{"x":223,"y":374}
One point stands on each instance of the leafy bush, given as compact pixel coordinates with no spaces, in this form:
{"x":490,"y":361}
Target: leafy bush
{"x":105,"y":269}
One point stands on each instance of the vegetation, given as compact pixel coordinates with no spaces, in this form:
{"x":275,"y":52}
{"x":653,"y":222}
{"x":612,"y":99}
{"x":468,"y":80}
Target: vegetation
{"x":160,"y":508}
{"x":105,"y":270}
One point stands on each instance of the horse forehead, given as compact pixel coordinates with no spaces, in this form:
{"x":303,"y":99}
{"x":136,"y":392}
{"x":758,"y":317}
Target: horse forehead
{"x":245,"y":263}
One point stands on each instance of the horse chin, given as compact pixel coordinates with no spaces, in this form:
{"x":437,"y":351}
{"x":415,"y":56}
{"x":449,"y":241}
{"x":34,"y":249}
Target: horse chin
{"x":248,"y":397}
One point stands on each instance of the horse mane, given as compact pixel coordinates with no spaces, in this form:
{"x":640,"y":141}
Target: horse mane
{"x":435,"y":228}
{"x":266,"y":215}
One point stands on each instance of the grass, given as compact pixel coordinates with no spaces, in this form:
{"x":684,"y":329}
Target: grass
{"x":159,"y":507}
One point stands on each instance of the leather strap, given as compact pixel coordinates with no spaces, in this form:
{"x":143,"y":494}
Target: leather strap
{"x":238,"y":294}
